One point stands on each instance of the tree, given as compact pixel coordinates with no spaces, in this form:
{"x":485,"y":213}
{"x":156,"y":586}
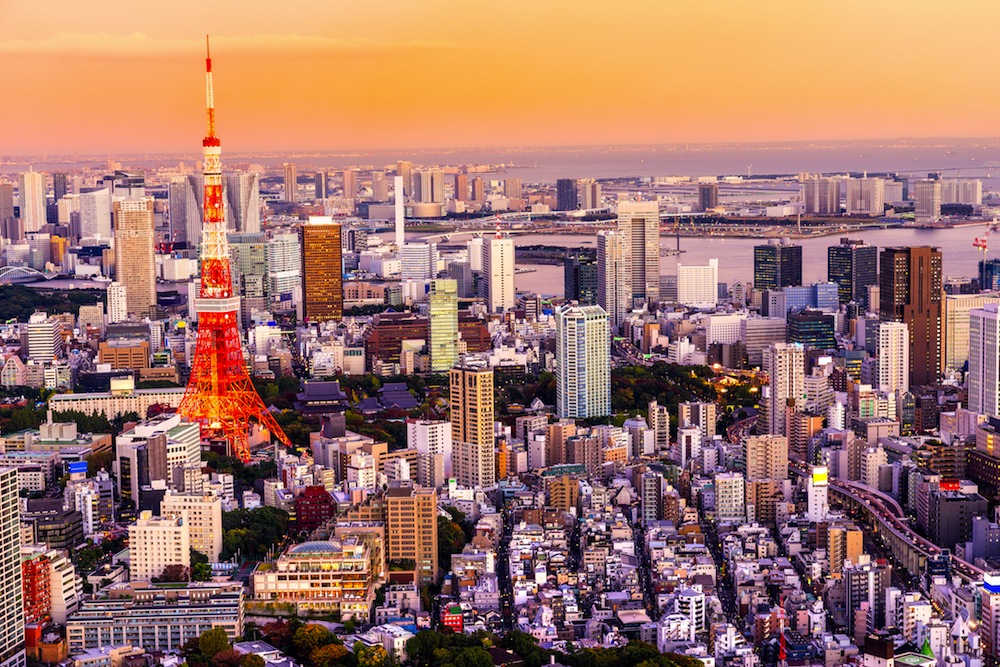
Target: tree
{"x":201,"y":572}
{"x":475,"y":656}
{"x":227,"y":658}
{"x":376,"y":656}
{"x":310,"y":637}
{"x":252,"y":660}
{"x":327,"y":656}
{"x":278,"y":634}
{"x":213,"y":642}
{"x":176,"y":573}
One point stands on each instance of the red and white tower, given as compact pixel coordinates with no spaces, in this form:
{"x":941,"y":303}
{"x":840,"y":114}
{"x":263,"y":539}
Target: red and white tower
{"x":220,"y":394}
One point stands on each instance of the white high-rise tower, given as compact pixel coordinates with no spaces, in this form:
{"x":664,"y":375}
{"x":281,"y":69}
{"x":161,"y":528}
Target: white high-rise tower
{"x":583,"y":358}
{"x":893,"y":357}
{"x":32,"y":200}
{"x":614,"y":276}
{"x":785,"y":367}
{"x":640,"y":223}
{"x":984,"y":360}
{"x":498,"y":272}
{"x":117,"y":303}
{"x":12,"y":611}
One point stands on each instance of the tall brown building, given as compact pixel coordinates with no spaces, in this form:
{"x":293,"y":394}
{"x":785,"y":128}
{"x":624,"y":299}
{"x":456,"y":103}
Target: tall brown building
{"x":412,"y":529}
{"x":911,"y":291}
{"x":322,"y":270}
{"x":135,"y":263}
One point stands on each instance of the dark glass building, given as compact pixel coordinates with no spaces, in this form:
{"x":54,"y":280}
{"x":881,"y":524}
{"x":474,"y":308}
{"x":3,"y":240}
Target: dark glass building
{"x":910,"y":291}
{"x":989,"y":274}
{"x":777,"y":265}
{"x":580,"y":278}
{"x":708,"y":196}
{"x":853,"y":265}
{"x":566,"y":195}
{"x":812,"y":328}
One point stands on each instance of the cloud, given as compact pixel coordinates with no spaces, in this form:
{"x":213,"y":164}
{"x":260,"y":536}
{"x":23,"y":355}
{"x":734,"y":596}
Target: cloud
{"x":137,"y":45}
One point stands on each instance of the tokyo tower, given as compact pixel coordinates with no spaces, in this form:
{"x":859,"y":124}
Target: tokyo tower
{"x":220,"y":394}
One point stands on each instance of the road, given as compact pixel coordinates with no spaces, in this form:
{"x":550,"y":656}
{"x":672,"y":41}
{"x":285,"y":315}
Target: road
{"x":503,"y":572}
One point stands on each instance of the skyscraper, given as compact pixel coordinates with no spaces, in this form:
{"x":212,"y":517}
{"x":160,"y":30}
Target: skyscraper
{"x":418,"y":261}
{"x":478,"y":190}
{"x":956,"y":316}
{"x":411,"y":529}
{"x":135,"y":263}
{"x":822,"y":196}
{"x":6,"y":201}
{"x":614,"y":276}
{"x":461,"y":187}
{"x":498,"y":273}
{"x":32,"y":200}
{"x":698,"y":286}
{"x":640,"y":223}
{"x":893,"y":349}
{"x":322,"y":270}
{"x":291,"y":183}
{"x":785,"y":366}
{"x":472,"y":409}
{"x":927,"y":200}
{"x":818,"y":494}
{"x":320,"y":185}
{"x":472,"y":404}
{"x":866,"y":196}
{"x":580,"y":279}
{"x":59,"y":189}
{"x":12,"y":613}
{"x":777,"y":264}
{"x":566,"y":195}
{"x":380,"y":187}
{"x":512,"y":188}
{"x":95,"y":213}
{"x":242,"y":193}
{"x":350,"y":183}
{"x":583,"y":362}
{"x":404,"y":169}
{"x":442,"y":315}
{"x":853,"y":265}
{"x":984,"y":360}
{"x":248,"y":253}
{"x":910,"y":291}
{"x":708,"y":196}
{"x":590,"y":194}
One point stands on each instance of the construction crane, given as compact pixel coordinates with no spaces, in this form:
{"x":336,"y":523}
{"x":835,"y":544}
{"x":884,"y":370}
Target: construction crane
{"x":982,"y":242}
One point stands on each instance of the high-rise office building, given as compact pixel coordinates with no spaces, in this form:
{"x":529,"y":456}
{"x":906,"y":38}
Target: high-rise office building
{"x":248,"y":264}
{"x":442,"y":316}
{"x":6,"y":201}
{"x":566,"y":195}
{"x":698,"y":286}
{"x":31,"y":198}
{"x":59,"y":186}
{"x":478,"y":190}
{"x":380,"y":187}
{"x":117,"y":303}
{"x":614,"y":276}
{"x":893,"y":360}
{"x":853,"y":266}
{"x":580,"y":279}
{"x":284,"y":271}
{"x":320,"y":185}
{"x":866,"y":196}
{"x":776,"y":265}
{"x":590,"y":194}
{"x":474,"y":464}
{"x":498,"y":273}
{"x":640,"y":223}
{"x":431,"y":438}
{"x":512,"y":188}
{"x":418,"y":261}
{"x":461,"y":187}
{"x":708,"y":196}
{"x":822,"y":196}
{"x":472,"y":404}
{"x":411,"y":529}
{"x":349,"y":183}
{"x":956,"y":316}
{"x":583,"y":362}
{"x":785,"y":366}
{"x":95,"y":213}
{"x":322,"y":270}
{"x":12,"y":614}
{"x":766,"y":457}
{"x":910,"y":291}
{"x":135,"y":263}
{"x":927,"y":200}
{"x":984,"y":360}
{"x":812,"y":328}
{"x":291,"y":183}
{"x":404,"y":169}
{"x":242,"y":194}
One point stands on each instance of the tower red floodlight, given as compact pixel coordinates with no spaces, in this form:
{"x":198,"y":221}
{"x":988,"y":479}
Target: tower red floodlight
{"x":220,"y":394}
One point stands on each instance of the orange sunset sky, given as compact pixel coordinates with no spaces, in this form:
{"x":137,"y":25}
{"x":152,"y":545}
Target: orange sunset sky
{"x":102,"y":76}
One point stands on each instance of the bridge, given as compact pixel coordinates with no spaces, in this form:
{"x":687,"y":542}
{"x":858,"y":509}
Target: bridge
{"x":23,"y":274}
{"x":890,"y":523}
